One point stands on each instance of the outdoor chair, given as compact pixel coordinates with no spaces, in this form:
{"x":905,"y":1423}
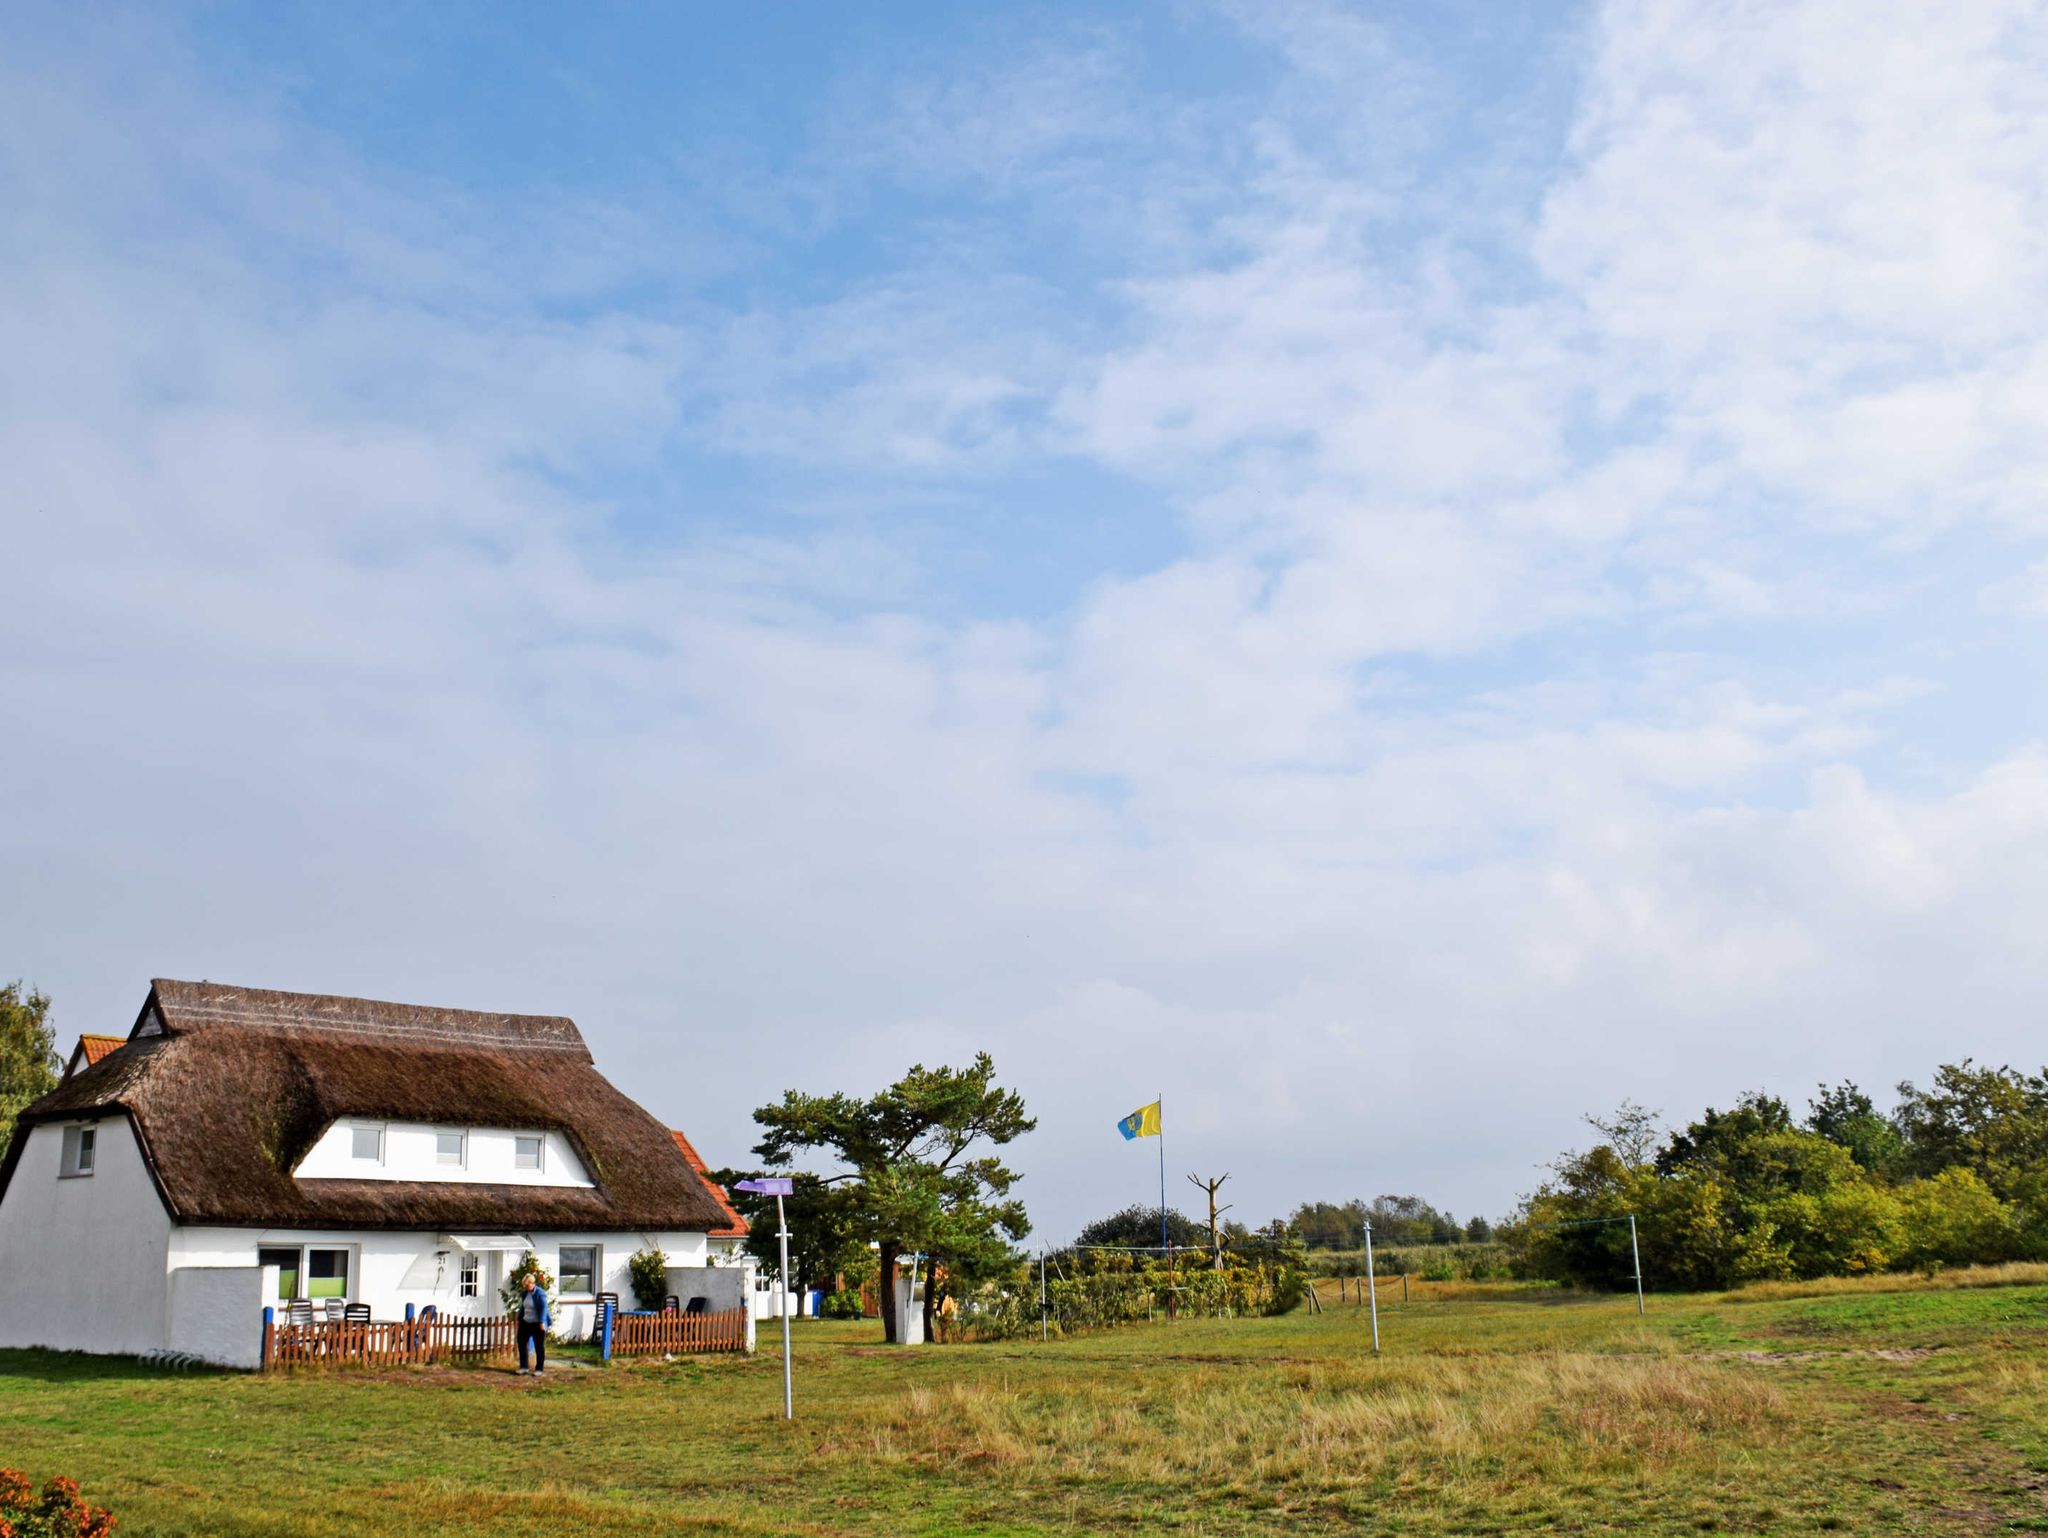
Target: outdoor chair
{"x":699,"y":1305}
{"x":299,"y":1311}
{"x":674,"y":1305}
{"x":606,"y":1301}
{"x":334,"y":1307}
{"x":357,"y":1313}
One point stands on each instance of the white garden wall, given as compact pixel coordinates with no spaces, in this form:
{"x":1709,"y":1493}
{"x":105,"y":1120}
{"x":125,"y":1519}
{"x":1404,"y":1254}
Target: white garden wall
{"x":216,"y":1314}
{"x":723,"y":1286}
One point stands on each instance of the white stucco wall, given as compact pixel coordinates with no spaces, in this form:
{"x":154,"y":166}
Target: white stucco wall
{"x":216,"y":1314}
{"x":390,"y":1270}
{"x":909,"y":1311}
{"x":83,"y":1260}
{"x":575,"y":1316}
{"x":722,"y":1287}
{"x":411,"y":1153}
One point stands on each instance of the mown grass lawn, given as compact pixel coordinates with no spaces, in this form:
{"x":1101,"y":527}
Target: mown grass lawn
{"x":1908,"y":1411}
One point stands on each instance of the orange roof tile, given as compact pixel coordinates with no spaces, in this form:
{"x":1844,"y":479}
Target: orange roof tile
{"x":737,"y":1229}
{"x":93,"y":1048}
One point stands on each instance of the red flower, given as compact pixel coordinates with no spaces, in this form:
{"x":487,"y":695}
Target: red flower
{"x":57,"y":1510}
{"x":61,"y":1506}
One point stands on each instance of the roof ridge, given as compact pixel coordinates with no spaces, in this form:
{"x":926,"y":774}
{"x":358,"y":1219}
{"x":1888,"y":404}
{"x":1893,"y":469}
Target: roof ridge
{"x":184,"y":1003}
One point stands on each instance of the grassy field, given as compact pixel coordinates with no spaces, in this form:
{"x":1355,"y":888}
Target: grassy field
{"x":1904,"y":1408}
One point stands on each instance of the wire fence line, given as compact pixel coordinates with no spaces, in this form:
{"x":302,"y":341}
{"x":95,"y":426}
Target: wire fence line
{"x":1368,"y":1283}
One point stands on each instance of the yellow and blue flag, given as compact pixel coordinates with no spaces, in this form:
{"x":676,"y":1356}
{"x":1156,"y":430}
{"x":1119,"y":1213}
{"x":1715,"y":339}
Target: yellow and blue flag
{"x":1143,"y":1122}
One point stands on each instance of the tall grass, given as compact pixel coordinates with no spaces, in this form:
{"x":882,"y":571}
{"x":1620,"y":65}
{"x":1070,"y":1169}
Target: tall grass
{"x":1329,"y":1426}
{"x":2019,"y":1273}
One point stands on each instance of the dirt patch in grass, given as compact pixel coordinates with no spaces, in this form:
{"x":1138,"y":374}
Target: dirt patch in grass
{"x":1877,"y":1353}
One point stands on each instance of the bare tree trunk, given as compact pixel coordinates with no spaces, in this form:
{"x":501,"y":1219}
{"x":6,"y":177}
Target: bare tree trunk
{"x":1215,"y":1237}
{"x":890,"y":1331}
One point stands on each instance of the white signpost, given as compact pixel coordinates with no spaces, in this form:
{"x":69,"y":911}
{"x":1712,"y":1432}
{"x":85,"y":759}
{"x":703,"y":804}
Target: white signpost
{"x":779,"y":1186}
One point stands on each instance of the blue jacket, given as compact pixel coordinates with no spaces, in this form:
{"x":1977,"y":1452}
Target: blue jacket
{"x":527,"y":1301}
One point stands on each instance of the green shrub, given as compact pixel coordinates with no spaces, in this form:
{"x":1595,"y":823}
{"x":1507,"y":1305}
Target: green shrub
{"x":1101,"y":1291}
{"x":649,"y":1272}
{"x":844,"y":1304}
{"x":1953,"y":1219}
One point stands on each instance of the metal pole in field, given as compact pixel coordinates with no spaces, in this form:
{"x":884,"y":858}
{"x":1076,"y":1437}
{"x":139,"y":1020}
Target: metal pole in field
{"x":779,"y":1186}
{"x":1044,"y":1319}
{"x":1372,"y":1287}
{"x":1638,"y":1256}
{"x":788,"y":1384}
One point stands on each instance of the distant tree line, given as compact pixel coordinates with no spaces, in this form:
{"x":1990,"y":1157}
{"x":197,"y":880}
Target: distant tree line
{"x":1314,"y":1226}
{"x":1953,"y":1174}
{"x":1394,"y":1219}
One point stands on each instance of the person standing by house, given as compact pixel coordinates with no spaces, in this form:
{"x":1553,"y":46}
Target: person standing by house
{"x":533,"y":1325}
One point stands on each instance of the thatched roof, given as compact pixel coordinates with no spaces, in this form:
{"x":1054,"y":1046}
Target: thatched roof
{"x":228,"y":1088}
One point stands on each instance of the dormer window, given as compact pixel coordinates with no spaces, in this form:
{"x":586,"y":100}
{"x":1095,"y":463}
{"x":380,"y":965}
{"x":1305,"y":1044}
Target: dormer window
{"x":366,"y":1142}
{"x":526,"y":1152}
{"x":78,"y":1150}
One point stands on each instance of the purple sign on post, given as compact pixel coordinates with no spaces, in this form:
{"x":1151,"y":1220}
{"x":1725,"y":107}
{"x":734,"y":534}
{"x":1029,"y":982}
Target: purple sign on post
{"x":770,"y":1185}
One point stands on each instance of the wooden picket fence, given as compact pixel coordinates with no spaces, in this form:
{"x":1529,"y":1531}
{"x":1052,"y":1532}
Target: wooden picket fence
{"x":390,"y":1343}
{"x":642,"y":1334}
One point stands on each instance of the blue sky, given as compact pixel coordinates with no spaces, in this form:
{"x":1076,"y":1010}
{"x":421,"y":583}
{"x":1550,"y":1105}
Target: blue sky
{"x":1395,"y":573}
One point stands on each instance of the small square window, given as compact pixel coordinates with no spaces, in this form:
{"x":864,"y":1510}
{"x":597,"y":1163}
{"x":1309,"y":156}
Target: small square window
{"x":327,"y":1273}
{"x":287,"y":1263}
{"x":448,"y":1147}
{"x":526,"y":1153}
{"x":367,"y":1143}
{"x":578,"y":1270}
{"x":78,"y":1150}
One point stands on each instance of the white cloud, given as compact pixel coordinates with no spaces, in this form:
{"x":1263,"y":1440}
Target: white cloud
{"x":1503,"y":735}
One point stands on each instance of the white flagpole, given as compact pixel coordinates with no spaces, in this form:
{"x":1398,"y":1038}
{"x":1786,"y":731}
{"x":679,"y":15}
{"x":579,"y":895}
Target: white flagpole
{"x":1161,"y":1103}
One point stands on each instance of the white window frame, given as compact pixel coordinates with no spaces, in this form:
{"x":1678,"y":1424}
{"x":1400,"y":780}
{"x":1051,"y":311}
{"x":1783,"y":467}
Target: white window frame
{"x":79,"y":1152}
{"x":540,"y":1152}
{"x":351,"y":1269}
{"x":355,"y":1132}
{"x":352,"y":1276}
{"x":469,"y":1276}
{"x":596,"y":1272}
{"x":461,"y":1159}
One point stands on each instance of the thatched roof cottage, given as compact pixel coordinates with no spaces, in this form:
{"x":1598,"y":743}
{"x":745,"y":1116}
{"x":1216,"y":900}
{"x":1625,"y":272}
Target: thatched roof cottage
{"x":244,"y":1147}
